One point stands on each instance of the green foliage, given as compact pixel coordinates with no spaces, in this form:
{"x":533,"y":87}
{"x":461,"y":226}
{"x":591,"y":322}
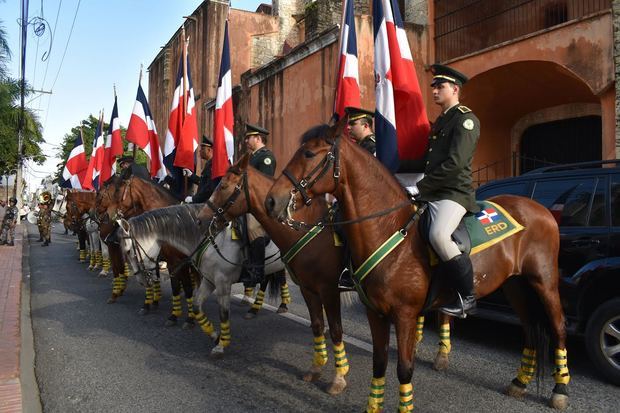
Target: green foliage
{"x":88,"y":127}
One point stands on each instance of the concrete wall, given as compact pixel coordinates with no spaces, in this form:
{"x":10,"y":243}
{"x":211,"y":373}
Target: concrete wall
{"x":615,"y":4}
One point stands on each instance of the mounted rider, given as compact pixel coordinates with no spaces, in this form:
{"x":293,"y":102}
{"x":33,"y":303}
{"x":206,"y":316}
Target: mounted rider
{"x":206,"y":185}
{"x":262,"y":159}
{"x":129,"y":168}
{"x":447,"y":184}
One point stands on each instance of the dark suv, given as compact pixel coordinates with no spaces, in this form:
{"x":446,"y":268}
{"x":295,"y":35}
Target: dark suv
{"x":585,"y":200}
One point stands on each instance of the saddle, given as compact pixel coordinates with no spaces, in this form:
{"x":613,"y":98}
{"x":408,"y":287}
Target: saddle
{"x":460,"y":236}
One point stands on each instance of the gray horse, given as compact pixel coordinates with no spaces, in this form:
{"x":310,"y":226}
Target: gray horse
{"x":217,"y":260}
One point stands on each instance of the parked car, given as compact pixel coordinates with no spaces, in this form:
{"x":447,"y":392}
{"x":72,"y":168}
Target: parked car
{"x":585,"y":200}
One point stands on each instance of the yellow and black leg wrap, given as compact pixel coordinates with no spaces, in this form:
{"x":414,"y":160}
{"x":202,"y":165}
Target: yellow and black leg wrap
{"x":258,"y":302}
{"x":320,"y":351}
{"x":92,"y":260}
{"x":156,"y":291}
{"x":99,"y":260}
{"x":176,"y":306}
{"x":405,"y":392}
{"x":190,"y":307}
{"x":340,"y":356}
{"x":419,"y":329}
{"x":117,"y":284}
{"x":148,"y":300}
{"x":526,"y":371}
{"x":376,"y":396}
{"x":106,"y":264}
{"x":444,"y":339}
{"x":123,"y":283}
{"x":126,"y":271}
{"x":82,"y":255}
{"x":204,"y":323}
{"x":285,"y":294}
{"x":225,"y":334}
{"x":561,"y":375}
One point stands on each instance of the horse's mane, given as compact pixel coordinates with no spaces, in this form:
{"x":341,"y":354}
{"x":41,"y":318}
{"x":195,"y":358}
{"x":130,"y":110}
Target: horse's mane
{"x":319,"y":131}
{"x":160,"y":190}
{"x":176,"y":222}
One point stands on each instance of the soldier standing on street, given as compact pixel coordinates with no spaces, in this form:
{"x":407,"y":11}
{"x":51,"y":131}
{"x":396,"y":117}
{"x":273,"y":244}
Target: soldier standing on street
{"x":45,"y":222}
{"x":263,"y":160}
{"x":206,"y":185}
{"x":8,"y":223}
{"x":447,"y":184}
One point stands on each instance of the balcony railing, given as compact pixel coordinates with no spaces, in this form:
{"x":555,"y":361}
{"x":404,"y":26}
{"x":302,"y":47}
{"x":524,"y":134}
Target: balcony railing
{"x":467,"y":26}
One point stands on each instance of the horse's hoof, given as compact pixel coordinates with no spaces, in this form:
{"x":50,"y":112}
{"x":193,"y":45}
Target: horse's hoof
{"x":111,"y":300}
{"x":337,"y":386}
{"x":143,"y":311}
{"x":155,"y":305}
{"x":102,"y":275}
{"x":249,"y":315}
{"x":217,"y":352}
{"x":188,"y":325}
{"x":312,"y":376}
{"x":170,"y":323}
{"x":558,"y":401}
{"x":515,"y":391}
{"x":282,"y":309}
{"x":441,"y":362}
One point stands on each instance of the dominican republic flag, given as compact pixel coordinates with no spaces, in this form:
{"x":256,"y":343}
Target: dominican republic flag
{"x":401,"y":123}
{"x":91,"y":180}
{"x":223,"y":142}
{"x":347,"y":89}
{"x":142,"y":132}
{"x":557,"y":208}
{"x":113,"y":146}
{"x":76,"y":165}
{"x":182,"y":134}
{"x":487,"y":216}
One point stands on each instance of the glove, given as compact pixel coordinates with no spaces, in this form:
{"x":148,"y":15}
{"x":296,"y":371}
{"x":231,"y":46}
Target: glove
{"x":187,"y":172}
{"x":188,"y":200}
{"x":413,"y":190}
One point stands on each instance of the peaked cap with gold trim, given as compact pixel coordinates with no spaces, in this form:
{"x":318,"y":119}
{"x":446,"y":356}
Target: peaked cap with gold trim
{"x":443,"y":74}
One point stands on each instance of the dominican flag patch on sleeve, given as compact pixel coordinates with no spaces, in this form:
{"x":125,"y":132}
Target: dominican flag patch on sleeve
{"x":487,"y":216}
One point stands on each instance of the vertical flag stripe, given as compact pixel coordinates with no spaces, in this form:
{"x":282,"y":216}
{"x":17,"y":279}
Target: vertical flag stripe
{"x":75,"y":168}
{"x":347,"y":88}
{"x":223,"y":142}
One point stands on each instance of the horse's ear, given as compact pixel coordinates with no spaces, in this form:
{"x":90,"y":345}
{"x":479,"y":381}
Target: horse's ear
{"x":244,"y":161}
{"x":337,"y":129}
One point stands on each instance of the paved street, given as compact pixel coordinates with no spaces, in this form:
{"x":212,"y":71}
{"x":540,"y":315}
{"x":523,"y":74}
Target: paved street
{"x":96,"y":357}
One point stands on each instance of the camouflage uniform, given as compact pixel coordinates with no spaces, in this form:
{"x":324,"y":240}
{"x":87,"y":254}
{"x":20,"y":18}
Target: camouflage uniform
{"x":8,"y":225}
{"x":44,"y":223}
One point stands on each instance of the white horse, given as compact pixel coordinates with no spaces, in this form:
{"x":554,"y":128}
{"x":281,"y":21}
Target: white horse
{"x":98,"y":250}
{"x":217,"y":260}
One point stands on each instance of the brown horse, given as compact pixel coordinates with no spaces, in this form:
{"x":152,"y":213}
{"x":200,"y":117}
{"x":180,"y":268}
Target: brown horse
{"x":397,"y":286}
{"x":316,"y":268}
{"x":78,"y":204}
{"x":132,"y":197}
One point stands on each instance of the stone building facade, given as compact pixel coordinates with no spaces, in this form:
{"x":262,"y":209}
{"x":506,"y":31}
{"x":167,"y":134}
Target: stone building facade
{"x":541,"y":73}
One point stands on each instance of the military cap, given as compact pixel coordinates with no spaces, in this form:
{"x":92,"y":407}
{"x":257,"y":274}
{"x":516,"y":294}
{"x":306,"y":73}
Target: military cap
{"x":358,"y":113}
{"x":126,"y":158}
{"x":443,"y":74}
{"x":13,"y":199}
{"x":255,"y":130}
{"x":206,"y":141}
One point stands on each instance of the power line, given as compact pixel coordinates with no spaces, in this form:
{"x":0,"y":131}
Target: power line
{"x":50,"y":51}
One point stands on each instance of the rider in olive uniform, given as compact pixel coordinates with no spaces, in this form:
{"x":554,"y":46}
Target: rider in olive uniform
{"x":263,"y":160}
{"x":206,"y":185}
{"x":447,"y":183}
{"x":130,"y":168}
{"x":360,"y":126}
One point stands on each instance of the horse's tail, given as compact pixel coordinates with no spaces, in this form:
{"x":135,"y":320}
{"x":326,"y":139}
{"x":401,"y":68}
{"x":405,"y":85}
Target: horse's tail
{"x":539,"y":333}
{"x":276,"y":281}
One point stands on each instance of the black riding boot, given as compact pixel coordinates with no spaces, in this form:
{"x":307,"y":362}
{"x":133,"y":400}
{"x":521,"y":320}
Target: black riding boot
{"x":460,"y":271}
{"x":255,"y":272}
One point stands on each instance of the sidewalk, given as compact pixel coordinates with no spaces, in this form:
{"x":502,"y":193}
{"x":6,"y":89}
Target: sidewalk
{"x":10,"y":332}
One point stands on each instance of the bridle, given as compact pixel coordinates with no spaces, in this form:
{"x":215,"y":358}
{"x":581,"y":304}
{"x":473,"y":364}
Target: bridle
{"x":126,"y":189}
{"x":307,"y":182}
{"x":150,"y":274}
{"x":241,"y":186}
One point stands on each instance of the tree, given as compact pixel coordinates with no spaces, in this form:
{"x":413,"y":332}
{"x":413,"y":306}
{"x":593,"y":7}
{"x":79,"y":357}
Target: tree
{"x":88,"y":127}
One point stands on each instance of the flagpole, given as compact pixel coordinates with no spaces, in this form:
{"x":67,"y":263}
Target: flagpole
{"x":185,"y":88}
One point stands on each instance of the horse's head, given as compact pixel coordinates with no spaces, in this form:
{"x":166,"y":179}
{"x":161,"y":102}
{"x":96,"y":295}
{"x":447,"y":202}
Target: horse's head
{"x":230,"y":199}
{"x":313,"y":170}
{"x":136,"y":252}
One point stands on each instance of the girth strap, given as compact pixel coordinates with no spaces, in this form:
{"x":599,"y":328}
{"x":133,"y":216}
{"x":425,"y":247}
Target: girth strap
{"x":298,"y":246}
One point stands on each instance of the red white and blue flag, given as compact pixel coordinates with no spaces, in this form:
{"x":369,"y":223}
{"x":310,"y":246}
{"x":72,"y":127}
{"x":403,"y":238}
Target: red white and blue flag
{"x":401,"y":123}
{"x":223,"y":141}
{"x":142,"y":132}
{"x":75,"y":168}
{"x":113,"y":146}
{"x":347,"y":88}
{"x":487,"y":216}
{"x":95,"y":164}
{"x":182,"y":134}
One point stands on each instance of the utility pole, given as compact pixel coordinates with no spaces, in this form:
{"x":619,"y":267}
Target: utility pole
{"x":17,"y":188}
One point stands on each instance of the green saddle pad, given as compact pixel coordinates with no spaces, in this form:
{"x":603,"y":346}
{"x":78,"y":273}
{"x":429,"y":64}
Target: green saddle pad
{"x":490,"y":226}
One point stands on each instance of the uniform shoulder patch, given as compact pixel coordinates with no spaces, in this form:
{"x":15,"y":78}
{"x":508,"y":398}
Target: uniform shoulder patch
{"x":468,"y":124}
{"x":267,"y":161}
{"x":464,"y":109}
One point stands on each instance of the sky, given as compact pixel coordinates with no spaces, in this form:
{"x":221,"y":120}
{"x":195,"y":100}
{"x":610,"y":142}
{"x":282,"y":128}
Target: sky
{"x":109,"y":41}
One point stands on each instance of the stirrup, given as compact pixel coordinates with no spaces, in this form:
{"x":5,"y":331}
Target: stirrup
{"x":459,"y":312}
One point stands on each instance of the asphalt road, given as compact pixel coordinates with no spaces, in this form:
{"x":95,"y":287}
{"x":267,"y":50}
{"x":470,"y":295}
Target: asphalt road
{"x":98,"y":357}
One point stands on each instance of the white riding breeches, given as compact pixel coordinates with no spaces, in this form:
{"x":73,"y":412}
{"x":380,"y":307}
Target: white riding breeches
{"x":445,"y":218}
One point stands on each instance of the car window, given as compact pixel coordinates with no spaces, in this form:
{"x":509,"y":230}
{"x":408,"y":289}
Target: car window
{"x":615,"y":201}
{"x":516,"y":188}
{"x":567,"y":199}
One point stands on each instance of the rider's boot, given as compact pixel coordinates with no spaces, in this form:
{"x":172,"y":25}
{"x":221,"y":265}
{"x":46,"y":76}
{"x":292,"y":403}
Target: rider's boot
{"x":255,"y":272}
{"x":461,"y":272}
